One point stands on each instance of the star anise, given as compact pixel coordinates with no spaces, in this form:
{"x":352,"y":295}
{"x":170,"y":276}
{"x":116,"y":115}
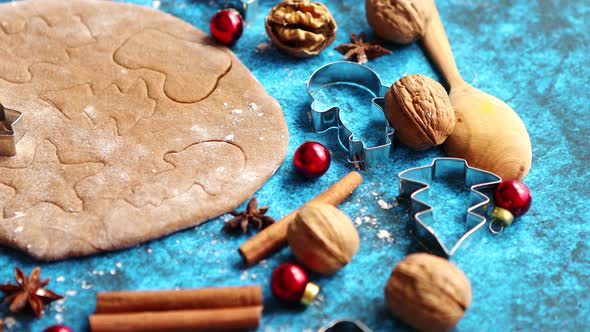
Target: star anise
{"x":360,"y":50}
{"x":29,"y":291}
{"x":251,"y":216}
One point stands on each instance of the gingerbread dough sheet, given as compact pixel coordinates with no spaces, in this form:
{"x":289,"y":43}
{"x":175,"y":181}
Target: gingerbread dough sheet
{"x":135,"y":125}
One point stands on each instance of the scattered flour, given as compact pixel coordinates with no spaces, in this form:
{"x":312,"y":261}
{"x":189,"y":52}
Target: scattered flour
{"x":90,"y":111}
{"x":59,"y":306}
{"x":385,"y":235}
{"x":244,"y":275}
{"x":358,"y":221}
{"x":9,"y":322}
{"x":384,"y":205}
{"x":60,"y":279}
{"x":229,"y":138}
{"x":253,"y":107}
{"x":236,"y":111}
{"x":100,"y":272}
{"x":19,"y":229}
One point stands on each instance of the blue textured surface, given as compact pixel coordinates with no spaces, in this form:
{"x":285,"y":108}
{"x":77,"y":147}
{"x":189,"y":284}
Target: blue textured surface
{"x":534,"y":277}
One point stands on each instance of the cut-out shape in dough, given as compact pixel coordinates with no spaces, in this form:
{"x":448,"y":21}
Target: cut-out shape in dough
{"x":13,"y":69}
{"x":180,"y":68}
{"x":126,"y":108}
{"x":211,"y":165}
{"x":46,"y":180}
{"x":39,"y":42}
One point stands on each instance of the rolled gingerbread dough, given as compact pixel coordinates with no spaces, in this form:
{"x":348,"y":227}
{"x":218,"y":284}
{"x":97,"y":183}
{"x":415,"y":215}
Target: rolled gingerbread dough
{"x":135,"y":125}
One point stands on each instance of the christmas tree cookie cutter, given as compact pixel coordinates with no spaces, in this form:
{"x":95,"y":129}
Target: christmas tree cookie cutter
{"x":415,"y":183}
{"x":323,"y":119}
{"x":8,"y":121}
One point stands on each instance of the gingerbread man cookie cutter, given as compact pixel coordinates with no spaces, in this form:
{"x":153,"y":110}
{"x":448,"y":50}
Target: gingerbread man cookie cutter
{"x":415,"y":183}
{"x":322,"y":119}
{"x":9,"y":119}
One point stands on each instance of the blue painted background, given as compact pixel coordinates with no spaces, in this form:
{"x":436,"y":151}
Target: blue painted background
{"x":533,"y":277}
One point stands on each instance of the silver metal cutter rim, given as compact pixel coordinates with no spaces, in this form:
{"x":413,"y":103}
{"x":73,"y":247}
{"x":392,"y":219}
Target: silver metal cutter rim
{"x":345,"y":325}
{"x":322,"y":120}
{"x":415,"y":182}
{"x":242,"y":6}
{"x":8,"y":141}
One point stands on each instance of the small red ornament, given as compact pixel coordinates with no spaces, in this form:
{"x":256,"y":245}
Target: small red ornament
{"x":227,"y":26}
{"x":312,"y":159}
{"x":512,"y":199}
{"x":289,"y":283}
{"x":58,"y":328}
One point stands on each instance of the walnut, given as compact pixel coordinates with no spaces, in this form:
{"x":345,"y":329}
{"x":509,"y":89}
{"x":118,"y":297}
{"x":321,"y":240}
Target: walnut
{"x":428,"y":293}
{"x":420,"y":110}
{"x":322,"y":238}
{"x":301,"y":28}
{"x":398,"y":21}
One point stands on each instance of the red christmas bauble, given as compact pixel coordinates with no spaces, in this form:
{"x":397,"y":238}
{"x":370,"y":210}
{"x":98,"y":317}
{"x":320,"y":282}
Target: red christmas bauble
{"x":288,"y":282}
{"x":227,"y":26}
{"x":513,"y":196}
{"x":312,"y":159}
{"x":58,"y":328}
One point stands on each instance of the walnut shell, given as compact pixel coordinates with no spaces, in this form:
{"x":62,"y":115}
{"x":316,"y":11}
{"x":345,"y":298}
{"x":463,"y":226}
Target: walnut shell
{"x":322,"y":238}
{"x":398,"y":21}
{"x":301,"y":28}
{"x":428,"y":293}
{"x":420,"y":110}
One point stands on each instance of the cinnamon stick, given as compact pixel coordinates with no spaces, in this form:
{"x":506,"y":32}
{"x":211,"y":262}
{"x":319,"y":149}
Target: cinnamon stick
{"x":204,"y":320}
{"x":186,"y":299}
{"x":274,"y":237}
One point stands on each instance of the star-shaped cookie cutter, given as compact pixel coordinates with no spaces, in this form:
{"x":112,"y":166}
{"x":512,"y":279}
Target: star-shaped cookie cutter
{"x":352,"y":73}
{"x":415,"y":183}
{"x":8,"y":120}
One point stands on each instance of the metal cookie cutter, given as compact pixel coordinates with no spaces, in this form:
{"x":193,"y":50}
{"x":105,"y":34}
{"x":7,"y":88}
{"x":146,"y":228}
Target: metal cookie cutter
{"x":8,"y":120}
{"x":345,"y":325}
{"x":344,"y":72}
{"x":415,"y":183}
{"x":242,"y":6}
